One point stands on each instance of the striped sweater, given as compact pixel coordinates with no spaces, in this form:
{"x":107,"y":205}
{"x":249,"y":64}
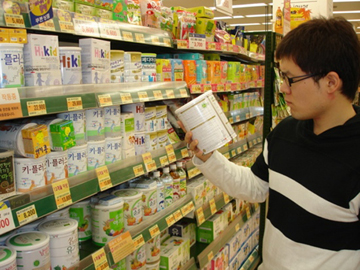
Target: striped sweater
{"x":313,"y":185}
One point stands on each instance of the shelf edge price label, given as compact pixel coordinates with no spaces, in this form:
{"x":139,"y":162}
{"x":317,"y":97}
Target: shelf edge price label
{"x":62,"y":193}
{"x":100,"y":260}
{"x":182,"y":44}
{"x":170,"y":93}
{"x":170,"y":153}
{"x":36,"y":107}
{"x":195,"y":88}
{"x":6,"y":219}
{"x":14,"y":20}
{"x":184,"y":153}
{"x":210,"y":256}
{"x":193,"y":172}
{"x":139,"y":241}
{"x":74,"y":103}
{"x":227,"y":155}
{"x":86,"y":27}
{"x":126,"y":98}
{"x":121,"y":246}
{"x":105,"y":100}
{"x":237,"y":227}
{"x":157,"y":94}
{"x":10,"y":103}
{"x":154,"y":231}
{"x":139,"y":37}
{"x":212,"y":206}
{"x":245,"y":147}
{"x":103,"y":176}
{"x":47,"y":25}
{"x":143,"y":96}
{"x":138,"y":170}
{"x":170,"y":220}
{"x":26,"y":214}
{"x":150,"y":164}
{"x":167,"y":42}
{"x":200,"y":216}
{"x":183,"y":93}
{"x":239,"y":150}
{"x":127,"y":36}
{"x":155,"y":40}
{"x":197,"y":42}
{"x":177,"y":215}
{"x":67,"y":27}
{"x":226,"y":198}
{"x":164,"y":161}
{"x":211,"y":46}
{"x":108,"y":29}
{"x":233,"y":153}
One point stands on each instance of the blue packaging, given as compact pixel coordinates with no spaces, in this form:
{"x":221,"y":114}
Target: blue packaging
{"x":177,"y":70}
{"x":189,"y":56}
{"x":201,"y":71}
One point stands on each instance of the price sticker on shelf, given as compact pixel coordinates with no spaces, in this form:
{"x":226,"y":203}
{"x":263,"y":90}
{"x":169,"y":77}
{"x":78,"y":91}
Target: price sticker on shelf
{"x":184,"y":153}
{"x":170,"y":153}
{"x":167,"y":42}
{"x":150,"y":164}
{"x":14,"y":20}
{"x":170,"y":93}
{"x":155,"y":40}
{"x":139,"y":38}
{"x":100,"y":260}
{"x":177,"y":215}
{"x":231,"y":120}
{"x":230,"y":48}
{"x":183,"y":93}
{"x":139,"y":241}
{"x":233,"y":153}
{"x":67,"y":27}
{"x":47,"y":25}
{"x":36,"y":107}
{"x":212,"y":206}
{"x":228,"y":87}
{"x":170,"y":220}
{"x":200,"y":216}
{"x":147,"y":157}
{"x":227,"y":155}
{"x":62,"y":193}
{"x":211,"y":46}
{"x":182,"y":44}
{"x":197,"y":42}
{"x":239,"y":150}
{"x":248,"y":214}
{"x":126,"y":98}
{"x":258,"y":139}
{"x":74,"y":103}
{"x":105,"y":100}
{"x":10,"y":103}
{"x":26,"y":214}
{"x":220,"y":87}
{"x":250,"y":144}
{"x":103,"y":176}
{"x":237,"y":118}
{"x":143,"y":96}
{"x":259,"y":83}
{"x":86,"y":27}
{"x":193,"y":172}
{"x":226,"y":198}
{"x":195,"y":88}
{"x":108,"y":29}
{"x":245,"y":147}
{"x":237,"y":227}
{"x":224,"y":47}
{"x":191,"y":206}
{"x":207,"y":87}
{"x":157,"y":94}
{"x":6,"y":219}
{"x":164,"y":161}
{"x":252,"y":84}
{"x":127,"y":36}
{"x":154,"y":231}
{"x":210,"y":256}
{"x":121,"y":246}
{"x":138,"y":170}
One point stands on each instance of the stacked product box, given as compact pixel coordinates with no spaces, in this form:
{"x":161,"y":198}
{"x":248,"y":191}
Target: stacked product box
{"x":184,"y":229}
{"x":148,"y":65}
{"x":133,"y":67}
{"x":175,"y":252}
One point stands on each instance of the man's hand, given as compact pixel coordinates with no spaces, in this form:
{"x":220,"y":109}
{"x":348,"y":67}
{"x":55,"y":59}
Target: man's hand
{"x":192,"y":144}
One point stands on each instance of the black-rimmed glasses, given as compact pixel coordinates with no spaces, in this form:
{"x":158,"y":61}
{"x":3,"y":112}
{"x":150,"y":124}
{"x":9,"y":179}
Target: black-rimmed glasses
{"x":290,"y":81}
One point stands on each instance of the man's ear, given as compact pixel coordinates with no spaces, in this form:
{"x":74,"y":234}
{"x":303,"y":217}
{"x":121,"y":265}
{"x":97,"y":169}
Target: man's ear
{"x":333,"y":82}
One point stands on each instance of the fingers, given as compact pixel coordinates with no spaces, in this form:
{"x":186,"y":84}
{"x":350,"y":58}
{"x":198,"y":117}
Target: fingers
{"x":182,"y":126}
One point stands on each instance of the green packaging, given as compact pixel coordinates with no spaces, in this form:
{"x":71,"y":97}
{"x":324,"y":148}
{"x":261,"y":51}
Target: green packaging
{"x":64,"y":5}
{"x":127,"y":11}
{"x":62,"y":135}
{"x":84,"y":9}
{"x":103,"y":13}
{"x":206,"y":27}
{"x":104,"y":4}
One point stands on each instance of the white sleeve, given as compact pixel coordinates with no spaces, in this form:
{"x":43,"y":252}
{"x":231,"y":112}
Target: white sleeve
{"x":237,"y":181}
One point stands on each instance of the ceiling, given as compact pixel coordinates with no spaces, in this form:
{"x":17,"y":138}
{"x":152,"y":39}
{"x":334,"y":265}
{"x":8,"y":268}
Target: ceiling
{"x":264,"y":21}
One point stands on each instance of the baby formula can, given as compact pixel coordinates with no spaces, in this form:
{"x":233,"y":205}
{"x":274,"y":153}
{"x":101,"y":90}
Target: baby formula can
{"x":95,"y":154}
{"x":95,"y":124}
{"x":77,"y":160}
{"x":78,"y":119}
{"x":7,"y":258}
{"x":112,"y":121}
{"x":56,"y":166}
{"x":137,"y":259}
{"x":113,"y":149}
{"x":70,"y":62}
{"x":7,"y":169}
{"x":149,"y":197}
{"x":62,"y":213}
{"x":153,"y":249}
{"x":30,"y":173}
{"x":11,"y":65}
{"x":32,"y":226}
{"x":153,"y":266}
{"x":117,"y":66}
{"x":81,"y":212}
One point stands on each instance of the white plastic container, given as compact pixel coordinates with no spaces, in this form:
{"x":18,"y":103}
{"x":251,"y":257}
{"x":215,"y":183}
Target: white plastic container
{"x":30,"y":173}
{"x":78,"y":118}
{"x":208,"y":123}
{"x":137,"y":259}
{"x":117,"y":66}
{"x":70,"y":61}
{"x":107,"y":219}
{"x":56,"y":166}
{"x":149,"y":197}
{"x":5,"y":236}
{"x":153,"y":266}
{"x":95,"y":124}
{"x":160,"y":191}
{"x":139,"y":144}
{"x":81,"y":212}
{"x":138,"y":109}
{"x":95,"y":154}
{"x":7,"y":258}
{"x":32,"y":250}
{"x":153,"y":249}
{"x":11,"y":65}
{"x":113,"y":149}
{"x":11,"y":137}
{"x":7,"y":169}
{"x":77,"y":160}
{"x":133,"y":210}
{"x":112,"y":121}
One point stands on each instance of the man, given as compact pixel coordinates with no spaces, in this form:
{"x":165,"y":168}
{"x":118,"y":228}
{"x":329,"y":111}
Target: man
{"x":310,"y":165}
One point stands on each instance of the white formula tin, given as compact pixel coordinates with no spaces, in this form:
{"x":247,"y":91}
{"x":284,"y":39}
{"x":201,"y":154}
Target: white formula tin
{"x":11,"y":137}
{"x":117,"y":66}
{"x":137,"y":259}
{"x":70,"y":61}
{"x":208,"y":123}
{"x":56,"y":166}
{"x":32,"y":250}
{"x":138,"y":109}
{"x":77,"y":160}
{"x":153,"y":266}
{"x":95,"y":154}
{"x":32,"y":226}
{"x":78,"y":118}
{"x":149,"y":197}
{"x":133,"y":209}
{"x":107,"y":219}
{"x":112,"y":121}
{"x":151,"y":141}
{"x":30,"y":173}
{"x":95,"y":124}
{"x":7,"y":178}
{"x":64,"y":262}
{"x":148,"y":61}
{"x":62,"y":213}
{"x":132,"y":57}
{"x":81,"y":212}
{"x":130,"y":79}
{"x":139,"y":144}
{"x":7,"y":258}
{"x":153,"y":249}
{"x":113,"y":149}
{"x":11,"y":65}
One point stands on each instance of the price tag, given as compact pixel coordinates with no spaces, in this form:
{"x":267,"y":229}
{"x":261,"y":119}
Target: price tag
{"x":14,"y":20}
{"x":233,"y":153}
{"x":26,"y":214}
{"x":182,"y":44}
{"x":245,"y":147}
{"x":86,"y":27}
{"x":167,"y":42}
{"x":200,"y":216}
{"x":62,"y":193}
{"x":248,"y":214}
{"x":157,"y":94}
{"x":207,"y":87}
{"x":250,"y":144}
{"x":121,"y":246}
{"x":220,"y":87}
{"x":36,"y":107}
{"x":139,"y":37}
{"x":195,"y":88}
{"x":210,"y":256}
{"x":237,"y":227}
{"x":177,"y":215}
{"x":259,"y":83}
{"x":227,"y":155}
{"x":236,"y":48}
{"x":170,"y":93}
{"x":147,"y":158}
{"x":100,"y":260}
{"x":212,"y":206}
{"x":127,"y":36}
{"x":184,"y":153}
{"x":10,"y":104}
{"x":154,"y":231}
{"x":183,"y":93}
{"x":187,"y":208}
{"x":231,"y":120}
{"x":193,"y":172}
{"x":226,"y":198}
{"x":6,"y":219}
{"x":170,"y":153}
{"x":252,"y":84}
{"x":47,"y":25}
{"x":230,"y":48}
{"x":143,"y":96}
{"x":237,"y":118}
{"x":150,"y":164}
{"x":105,"y":100}
{"x":138,"y":170}
{"x":224,"y":47}
{"x":211,"y":46}
{"x":67,"y":27}
{"x":108,"y":29}
{"x":258,"y":139}
{"x":74,"y":103}
{"x":126,"y":98}
{"x":103,"y":176}
{"x":239,"y":150}
{"x":198,"y":43}
{"x":228,"y":87}
{"x":170,"y":220}
{"x":139,"y":241}
{"x":155,"y":40}
{"x":164,"y":161}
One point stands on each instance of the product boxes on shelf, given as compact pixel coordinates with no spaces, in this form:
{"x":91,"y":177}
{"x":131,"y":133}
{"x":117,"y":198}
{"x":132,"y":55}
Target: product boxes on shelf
{"x":221,"y":259}
{"x":210,"y":229}
{"x":175,"y":245}
{"x":184,"y":229}
{"x":36,"y":141}
{"x":202,"y":12}
{"x":63,"y":5}
{"x":84,"y":9}
{"x":127,"y":130}
{"x":234,"y":245}
{"x":163,"y":70}
{"x":197,"y":191}
{"x":206,"y":27}
{"x":62,"y":135}
{"x":189,"y":56}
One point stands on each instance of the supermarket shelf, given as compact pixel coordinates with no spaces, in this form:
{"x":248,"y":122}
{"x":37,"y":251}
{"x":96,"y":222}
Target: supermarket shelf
{"x":252,"y":261}
{"x":190,"y":265}
{"x":225,"y":87}
{"x":87,"y":184}
{"x":244,"y":114}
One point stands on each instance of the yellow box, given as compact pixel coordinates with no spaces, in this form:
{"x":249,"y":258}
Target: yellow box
{"x":202,"y":12}
{"x":4,"y":35}
{"x":36,"y":141}
{"x":163,"y":70}
{"x":18,"y":36}
{"x":206,"y":27}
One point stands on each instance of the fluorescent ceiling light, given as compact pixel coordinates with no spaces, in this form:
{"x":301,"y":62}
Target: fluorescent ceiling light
{"x":244,"y":24}
{"x":270,"y":4}
{"x":250,"y":5}
{"x":354,"y":20}
{"x":258,"y":31}
{"x":358,"y":27}
{"x":222,"y":18}
{"x":339,"y":1}
{"x":258,"y":15}
{"x":346,"y":11}
{"x":238,"y":17}
{"x":266,"y":23}
{"x":212,"y":8}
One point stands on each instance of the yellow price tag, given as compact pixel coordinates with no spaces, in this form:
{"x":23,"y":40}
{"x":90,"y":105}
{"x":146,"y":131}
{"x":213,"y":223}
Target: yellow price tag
{"x":207,"y":87}
{"x":170,"y":153}
{"x":14,"y":20}
{"x":139,"y":241}
{"x":151,"y":166}
{"x":147,"y":158}
{"x":184,"y":210}
{"x":164,"y":161}
{"x":36,"y":107}
{"x":227,"y":155}
{"x":195,"y":88}
{"x":231,"y":120}
{"x":126,"y":98}
{"x":121,"y":246}
{"x":183,"y":93}
{"x":226,"y":198}
{"x":103,"y":176}
{"x":170,"y":220}
{"x":74,"y":103}
{"x":100,"y":260}
{"x":224,"y":47}
{"x":155,"y":40}
{"x":157,"y":94}
{"x":237,"y":227}
{"x":67,"y":27}
{"x":167,"y":42}
{"x":62,"y":193}
{"x":184,"y":153}
{"x":128,"y":36}
{"x":138,"y":170}
{"x":245,"y":147}
{"x":26,"y":214}
{"x":170,"y":93}
{"x":177,"y":215}
{"x":182,"y":44}
{"x":220,"y":87}
{"x":211,"y":46}
{"x":228,"y":87}
{"x":239,"y":150}
{"x":250,"y":144}
{"x":210,"y":256}
{"x":212,"y":206}
{"x":233,"y":153}
{"x":154,"y":231}
{"x":139,"y":38}
{"x":248,"y":214}
{"x":143,"y":96}
{"x":48,"y":25}
{"x":200,"y":216}
{"x":230,"y":48}
{"x":259,"y":83}
{"x":105,"y":100}
{"x":237,"y":118}
{"x":193,"y":172}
